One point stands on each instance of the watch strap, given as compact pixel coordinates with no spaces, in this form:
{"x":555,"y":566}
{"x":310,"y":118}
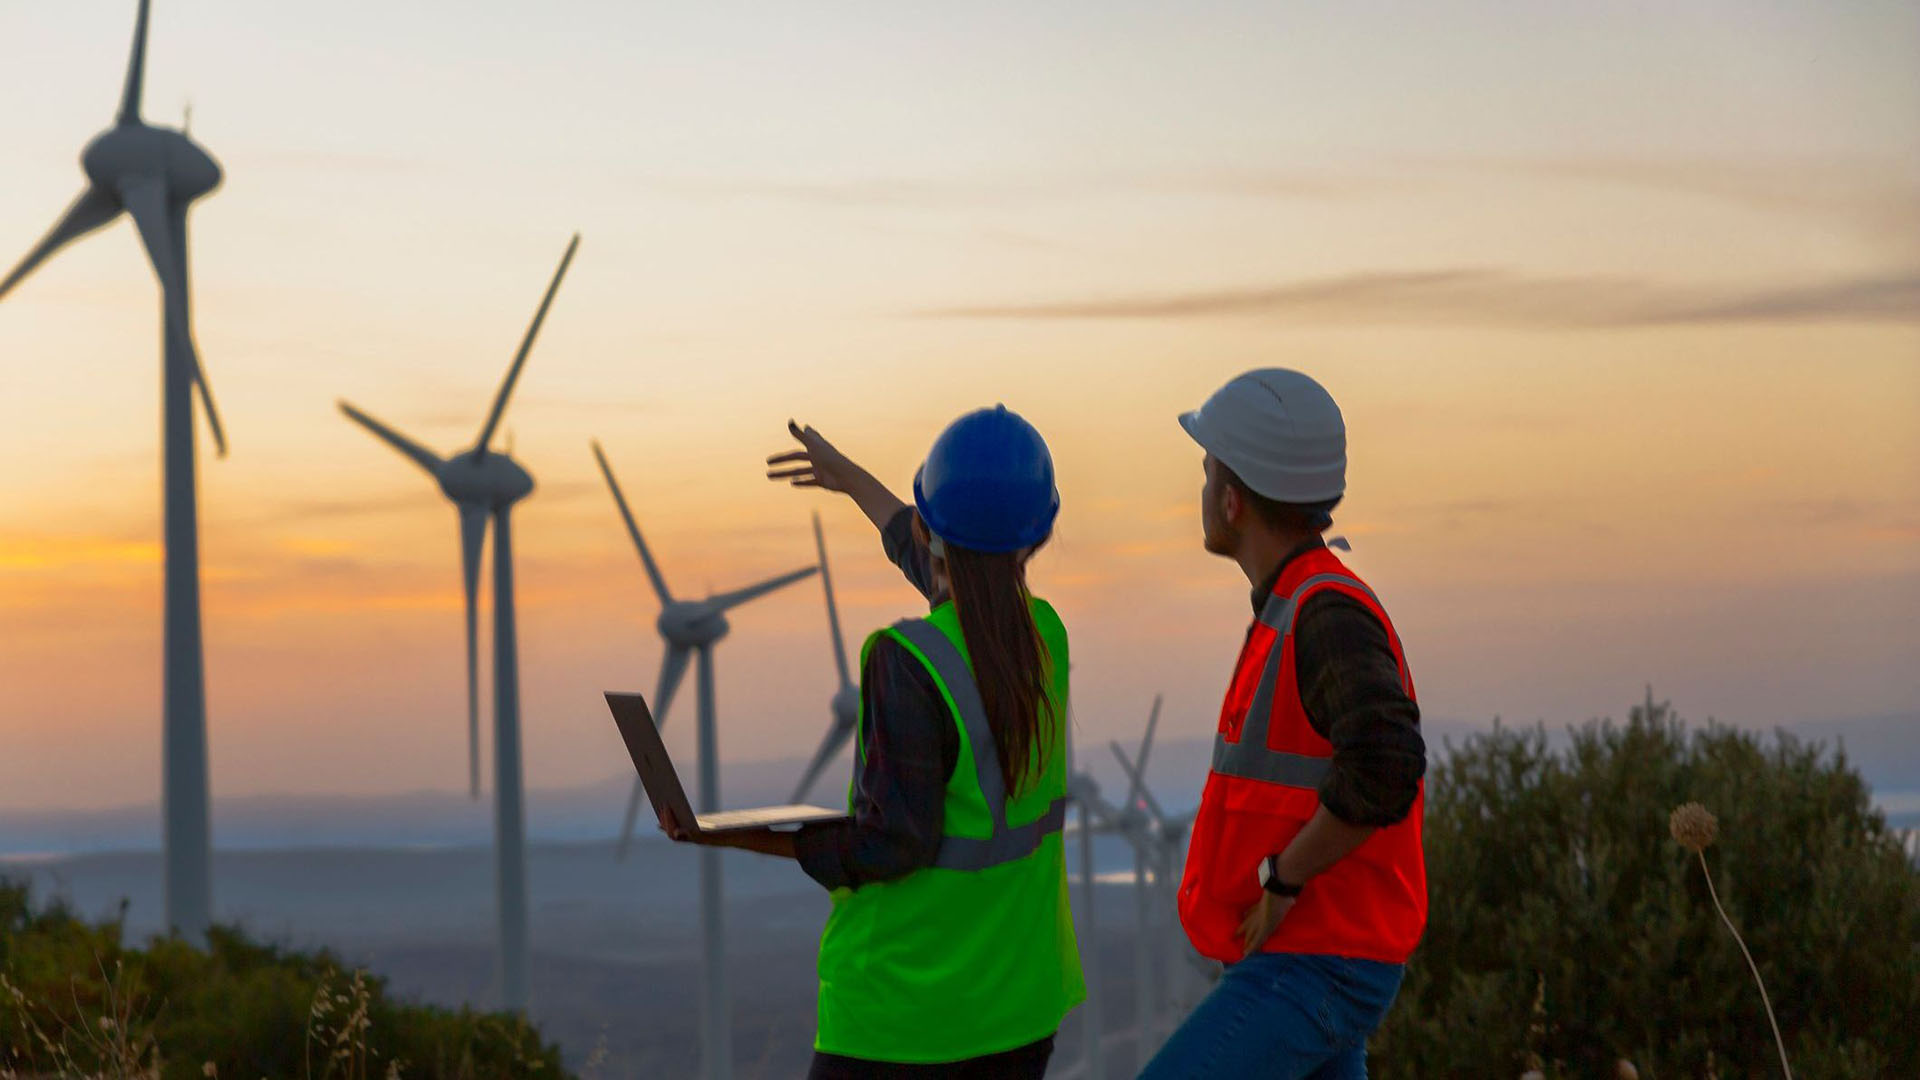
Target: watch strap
{"x":1273,"y":884}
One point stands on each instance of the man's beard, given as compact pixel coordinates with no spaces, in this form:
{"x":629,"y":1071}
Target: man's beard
{"x":1218,"y":539}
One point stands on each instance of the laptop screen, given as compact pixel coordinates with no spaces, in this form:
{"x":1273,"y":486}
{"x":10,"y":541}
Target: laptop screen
{"x":650,"y":759}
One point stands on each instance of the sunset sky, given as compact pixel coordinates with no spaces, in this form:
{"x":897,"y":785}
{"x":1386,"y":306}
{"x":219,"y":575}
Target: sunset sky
{"x":1621,"y":301}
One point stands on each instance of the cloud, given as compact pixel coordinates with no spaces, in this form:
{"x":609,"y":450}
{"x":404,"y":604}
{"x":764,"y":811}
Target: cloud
{"x":317,"y":509}
{"x":1892,"y":298}
{"x":1478,"y":296}
{"x":863,"y":193}
{"x":1873,"y":198}
{"x":1870,"y":519}
{"x":928,"y":193}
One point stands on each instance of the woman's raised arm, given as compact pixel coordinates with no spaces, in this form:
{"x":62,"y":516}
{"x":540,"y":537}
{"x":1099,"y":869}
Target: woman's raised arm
{"x":819,"y":464}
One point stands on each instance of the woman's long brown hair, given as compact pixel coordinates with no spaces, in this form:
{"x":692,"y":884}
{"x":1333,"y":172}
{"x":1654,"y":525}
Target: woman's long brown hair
{"x":1010,"y":662}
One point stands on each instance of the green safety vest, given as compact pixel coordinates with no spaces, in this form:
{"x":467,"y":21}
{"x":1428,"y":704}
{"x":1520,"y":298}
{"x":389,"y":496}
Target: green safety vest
{"x":976,"y":953}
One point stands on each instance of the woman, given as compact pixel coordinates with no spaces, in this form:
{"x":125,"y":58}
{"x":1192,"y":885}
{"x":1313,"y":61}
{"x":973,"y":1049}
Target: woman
{"x":950,"y":951}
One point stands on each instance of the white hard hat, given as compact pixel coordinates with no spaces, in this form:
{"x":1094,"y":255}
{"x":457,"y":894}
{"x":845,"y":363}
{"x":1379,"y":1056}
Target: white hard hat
{"x":1279,"y":431}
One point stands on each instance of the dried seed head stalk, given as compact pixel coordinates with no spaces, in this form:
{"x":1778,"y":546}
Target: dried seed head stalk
{"x":1694,"y":827}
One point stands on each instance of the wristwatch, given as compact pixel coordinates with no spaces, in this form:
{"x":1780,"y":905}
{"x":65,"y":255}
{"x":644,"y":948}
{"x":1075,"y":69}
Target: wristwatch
{"x":1270,"y":878}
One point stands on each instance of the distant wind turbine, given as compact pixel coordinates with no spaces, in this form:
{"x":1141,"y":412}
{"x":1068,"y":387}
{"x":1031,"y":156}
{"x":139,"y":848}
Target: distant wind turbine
{"x":1158,"y":843}
{"x":1133,"y":823}
{"x":485,"y":484}
{"x":846,"y":699}
{"x":693,"y":628}
{"x":154,"y":174}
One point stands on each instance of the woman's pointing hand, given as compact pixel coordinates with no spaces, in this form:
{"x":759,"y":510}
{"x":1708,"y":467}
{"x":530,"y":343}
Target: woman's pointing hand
{"x":817,"y":464}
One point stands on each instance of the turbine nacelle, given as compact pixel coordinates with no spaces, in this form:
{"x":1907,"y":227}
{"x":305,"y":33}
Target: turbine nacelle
{"x":1083,"y":788}
{"x":846,"y":706}
{"x":137,"y":151}
{"x":492,"y":479}
{"x":692,"y":624}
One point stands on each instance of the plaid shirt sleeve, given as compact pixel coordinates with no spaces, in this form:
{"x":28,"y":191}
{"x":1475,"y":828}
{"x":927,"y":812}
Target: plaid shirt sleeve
{"x":906,"y":755}
{"x":1350,"y":684}
{"x":911,"y":556}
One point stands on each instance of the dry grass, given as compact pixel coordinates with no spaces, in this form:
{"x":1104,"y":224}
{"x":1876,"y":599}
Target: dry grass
{"x":109,"y":1039}
{"x":337,"y":1026}
{"x":336,"y":1036}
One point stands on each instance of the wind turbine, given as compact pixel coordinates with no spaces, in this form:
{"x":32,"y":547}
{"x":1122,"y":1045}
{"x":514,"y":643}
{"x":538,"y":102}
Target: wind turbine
{"x":692,"y":628}
{"x":1158,"y":841}
{"x":846,"y":700}
{"x":484,"y":484}
{"x":154,"y":174}
{"x":1132,"y":822}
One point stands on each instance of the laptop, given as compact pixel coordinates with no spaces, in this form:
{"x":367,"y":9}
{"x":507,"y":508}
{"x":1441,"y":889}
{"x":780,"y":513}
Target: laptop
{"x":669,"y":799}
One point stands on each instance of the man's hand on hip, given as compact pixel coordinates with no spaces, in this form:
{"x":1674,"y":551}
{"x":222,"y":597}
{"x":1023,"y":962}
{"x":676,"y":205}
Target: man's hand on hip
{"x":1262,"y":920}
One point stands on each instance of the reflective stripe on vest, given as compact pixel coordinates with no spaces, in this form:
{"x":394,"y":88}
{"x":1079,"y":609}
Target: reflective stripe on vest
{"x":1250,"y":758}
{"x":1007,"y":843}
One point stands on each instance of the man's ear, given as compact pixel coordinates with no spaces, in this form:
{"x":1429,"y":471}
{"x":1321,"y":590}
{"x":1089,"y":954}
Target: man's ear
{"x":1231,"y":504}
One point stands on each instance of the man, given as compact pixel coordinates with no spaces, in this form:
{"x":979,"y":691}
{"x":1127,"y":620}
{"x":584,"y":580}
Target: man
{"x":1305,"y":874}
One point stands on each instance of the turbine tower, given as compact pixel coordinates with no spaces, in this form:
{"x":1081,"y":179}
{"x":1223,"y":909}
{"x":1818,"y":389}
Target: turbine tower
{"x":846,"y":700}
{"x":154,"y":174}
{"x":484,"y":484}
{"x":693,"y":628}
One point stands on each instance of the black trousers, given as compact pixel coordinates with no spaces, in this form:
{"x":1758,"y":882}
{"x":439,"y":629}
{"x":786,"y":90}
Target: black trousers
{"x":1027,"y":1062}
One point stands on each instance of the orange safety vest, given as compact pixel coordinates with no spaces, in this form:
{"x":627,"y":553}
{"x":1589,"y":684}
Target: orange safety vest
{"x":1268,"y":763}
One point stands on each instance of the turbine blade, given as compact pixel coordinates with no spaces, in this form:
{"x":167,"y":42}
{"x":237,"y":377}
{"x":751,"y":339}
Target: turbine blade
{"x":673,"y":668}
{"x":422,"y":456}
{"x":836,"y":738}
{"x":1137,"y":785}
{"x":136,"y":71}
{"x":626,"y":821}
{"x":526,"y":346}
{"x":633,"y":528}
{"x":473,"y":536}
{"x":740,"y":596}
{"x":833,"y":612}
{"x":90,"y":211}
{"x":1146,"y":741}
{"x":1133,"y":775}
{"x":1153,"y":804}
{"x":177,"y":220}
{"x":162,"y":231}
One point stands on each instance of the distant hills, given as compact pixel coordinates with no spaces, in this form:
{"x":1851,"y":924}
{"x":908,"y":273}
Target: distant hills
{"x":1886,"y":750}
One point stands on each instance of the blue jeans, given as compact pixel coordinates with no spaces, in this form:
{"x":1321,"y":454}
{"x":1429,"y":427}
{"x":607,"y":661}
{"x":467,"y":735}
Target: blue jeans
{"x":1282,"y":1016}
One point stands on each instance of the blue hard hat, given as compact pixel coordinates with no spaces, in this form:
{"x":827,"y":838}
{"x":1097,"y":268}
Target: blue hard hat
{"x":987,"y":484}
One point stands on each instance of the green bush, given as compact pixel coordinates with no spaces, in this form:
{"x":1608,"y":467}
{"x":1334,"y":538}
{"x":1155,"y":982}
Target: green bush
{"x":75,"y":1000}
{"x":1569,"y":930}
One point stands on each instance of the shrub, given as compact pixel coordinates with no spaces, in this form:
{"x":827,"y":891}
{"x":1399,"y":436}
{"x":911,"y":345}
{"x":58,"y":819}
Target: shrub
{"x":1568,"y":930}
{"x":76,"y":1000}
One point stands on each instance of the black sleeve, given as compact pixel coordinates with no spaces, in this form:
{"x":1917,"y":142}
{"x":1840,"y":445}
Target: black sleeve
{"x":1350,"y":684}
{"x":907,"y":752}
{"x":912,"y":557}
